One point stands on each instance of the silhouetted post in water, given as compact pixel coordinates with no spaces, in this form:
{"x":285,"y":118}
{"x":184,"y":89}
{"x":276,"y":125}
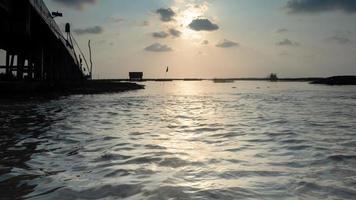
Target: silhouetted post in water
{"x":167,"y":69}
{"x":91,"y":61}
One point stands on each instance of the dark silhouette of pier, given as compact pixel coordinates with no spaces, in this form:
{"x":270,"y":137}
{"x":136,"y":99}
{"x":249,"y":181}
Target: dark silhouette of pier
{"x":35,"y":46}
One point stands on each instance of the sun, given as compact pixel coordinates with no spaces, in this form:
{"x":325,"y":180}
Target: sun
{"x":186,"y":16}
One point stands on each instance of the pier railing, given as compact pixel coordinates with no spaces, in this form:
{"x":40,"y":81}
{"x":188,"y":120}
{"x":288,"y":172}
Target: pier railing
{"x":46,"y":15}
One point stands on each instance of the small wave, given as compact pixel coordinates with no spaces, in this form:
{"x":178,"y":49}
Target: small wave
{"x":238,"y":149}
{"x":151,"y":146}
{"x":298,"y":147}
{"x":349,"y":143}
{"x":319,"y":191}
{"x":109,"y":138}
{"x":101,"y":192}
{"x":292,"y":141}
{"x":170,"y":192}
{"x":202,"y":130}
{"x":342,"y":157}
{"x":111,"y":156}
{"x":118,"y":173}
{"x":142,"y":160}
{"x":177,"y":162}
{"x":226,"y":135}
{"x":227,"y":193}
{"x":246,"y":173}
{"x":74,"y":152}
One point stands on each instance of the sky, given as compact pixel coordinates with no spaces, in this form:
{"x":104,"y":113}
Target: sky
{"x":215,"y":38}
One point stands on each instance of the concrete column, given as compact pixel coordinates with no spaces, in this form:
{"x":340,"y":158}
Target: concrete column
{"x":20,"y":66}
{"x":7,"y":63}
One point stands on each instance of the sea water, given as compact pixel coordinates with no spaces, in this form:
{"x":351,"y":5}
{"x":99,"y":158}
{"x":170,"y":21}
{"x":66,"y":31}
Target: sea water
{"x":182,"y":140}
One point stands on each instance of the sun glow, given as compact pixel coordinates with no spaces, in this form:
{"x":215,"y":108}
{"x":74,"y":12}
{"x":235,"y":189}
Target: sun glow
{"x":187,"y":15}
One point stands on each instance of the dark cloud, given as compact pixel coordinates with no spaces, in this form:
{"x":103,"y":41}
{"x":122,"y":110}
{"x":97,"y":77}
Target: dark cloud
{"x":161,"y":34}
{"x":166,"y":14}
{"x":314,"y":6}
{"x":78,"y":4}
{"x":174,"y":32}
{"x":203,"y":25}
{"x":227,"y":44}
{"x":117,"y":20}
{"x":89,"y":30}
{"x":340,"y":39}
{"x":157,"y":47}
{"x":282,"y":30}
{"x":287,"y":42}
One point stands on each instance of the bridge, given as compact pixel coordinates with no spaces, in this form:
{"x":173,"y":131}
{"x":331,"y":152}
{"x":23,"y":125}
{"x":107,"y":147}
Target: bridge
{"x":36,"y":48}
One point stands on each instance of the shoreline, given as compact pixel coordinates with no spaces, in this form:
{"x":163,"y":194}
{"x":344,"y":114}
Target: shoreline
{"x":308,"y":79}
{"x":8,"y":88}
{"x":99,"y":86}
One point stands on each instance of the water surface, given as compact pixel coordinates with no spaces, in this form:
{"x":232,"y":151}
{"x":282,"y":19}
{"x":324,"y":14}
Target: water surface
{"x":182,"y":140}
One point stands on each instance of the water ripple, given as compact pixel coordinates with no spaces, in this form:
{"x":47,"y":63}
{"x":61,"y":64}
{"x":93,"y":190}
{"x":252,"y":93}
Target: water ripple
{"x":182,"y":140}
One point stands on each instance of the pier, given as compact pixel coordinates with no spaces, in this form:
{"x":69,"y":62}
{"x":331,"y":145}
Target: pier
{"x":36,"y":48}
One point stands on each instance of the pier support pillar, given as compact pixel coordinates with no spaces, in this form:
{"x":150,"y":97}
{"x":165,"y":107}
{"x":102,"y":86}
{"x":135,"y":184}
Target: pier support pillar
{"x":7,"y":65}
{"x":29,"y":69}
{"x":20,"y":67}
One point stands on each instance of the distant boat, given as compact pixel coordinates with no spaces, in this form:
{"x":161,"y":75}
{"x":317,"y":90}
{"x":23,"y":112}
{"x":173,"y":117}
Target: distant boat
{"x":223,"y":80}
{"x":273,"y":77}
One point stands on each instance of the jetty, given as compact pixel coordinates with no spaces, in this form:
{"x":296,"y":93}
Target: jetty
{"x":39,"y":55}
{"x":35,"y":46}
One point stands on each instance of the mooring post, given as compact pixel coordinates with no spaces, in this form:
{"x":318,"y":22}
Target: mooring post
{"x":7,"y":67}
{"x":20,"y":66}
{"x":29,"y":69}
{"x":12,"y":56}
{"x":32,"y":66}
{"x":42,"y":64}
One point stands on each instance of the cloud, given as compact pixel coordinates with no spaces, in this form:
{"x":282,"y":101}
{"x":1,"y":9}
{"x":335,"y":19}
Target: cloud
{"x":282,"y":30}
{"x":157,"y":47}
{"x":116,"y":19}
{"x":227,"y":44}
{"x":145,"y":23}
{"x":284,"y":53}
{"x":161,"y":34}
{"x":166,"y":14}
{"x":315,"y":6}
{"x":287,"y":42}
{"x":174,"y":32}
{"x":340,"y":39}
{"x":203,"y":25}
{"x":89,"y":30}
{"x":78,"y":4}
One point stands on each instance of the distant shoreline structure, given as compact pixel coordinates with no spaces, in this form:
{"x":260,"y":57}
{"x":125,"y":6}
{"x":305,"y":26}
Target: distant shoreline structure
{"x":333,"y":80}
{"x":306,"y":79}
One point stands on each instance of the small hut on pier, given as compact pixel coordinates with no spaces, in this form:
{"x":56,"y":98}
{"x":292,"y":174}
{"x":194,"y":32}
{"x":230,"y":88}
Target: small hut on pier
{"x":136,"y":76}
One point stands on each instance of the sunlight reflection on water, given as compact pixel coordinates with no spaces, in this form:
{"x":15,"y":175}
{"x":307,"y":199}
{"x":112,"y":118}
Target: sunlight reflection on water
{"x":183,"y":140}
